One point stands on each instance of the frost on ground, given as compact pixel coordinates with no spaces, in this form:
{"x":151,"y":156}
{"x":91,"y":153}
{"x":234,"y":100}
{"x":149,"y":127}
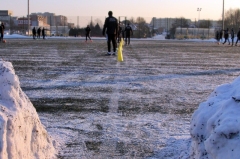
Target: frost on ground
{"x":215,"y":125}
{"x":21,"y":133}
{"x":97,"y":107}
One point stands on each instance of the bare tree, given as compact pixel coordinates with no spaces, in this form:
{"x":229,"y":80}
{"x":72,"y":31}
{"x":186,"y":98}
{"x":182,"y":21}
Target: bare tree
{"x":232,"y":19}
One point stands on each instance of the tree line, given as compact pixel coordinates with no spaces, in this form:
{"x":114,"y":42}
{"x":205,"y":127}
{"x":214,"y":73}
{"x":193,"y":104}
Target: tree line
{"x":139,"y":26}
{"x":142,"y":30}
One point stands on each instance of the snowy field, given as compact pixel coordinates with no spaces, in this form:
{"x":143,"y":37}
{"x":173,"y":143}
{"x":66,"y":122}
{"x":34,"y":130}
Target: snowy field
{"x":96,"y":107}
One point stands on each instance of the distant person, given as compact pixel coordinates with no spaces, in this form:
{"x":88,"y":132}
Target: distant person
{"x":226,"y":35}
{"x":238,"y":37}
{"x":218,"y":36}
{"x":88,"y":31}
{"x":123,"y":32}
{"x":221,"y":35}
{"x":2,"y":31}
{"x":111,"y":24}
{"x":34,"y":32}
{"x":43,"y":33}
{"x":119,"y":33}
{"x":39,"y":32}
{"x":232,"y":36}
{"x":129,"y":32}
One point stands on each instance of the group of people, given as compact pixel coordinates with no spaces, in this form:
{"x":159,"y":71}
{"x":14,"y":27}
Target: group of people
{"x":114,"y":31}
{"x":2,"y":27}
{"x":225,"y":33}
{"x":37,"y":33}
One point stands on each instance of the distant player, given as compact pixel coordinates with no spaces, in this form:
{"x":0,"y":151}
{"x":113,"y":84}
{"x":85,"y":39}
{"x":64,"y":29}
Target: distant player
{"x":88,"y":30}
{"x":226,"y":35}
{"x":129,"y":32}
{"x":218,"y":36}
{"x":238,"y":37}
{"x":2,"y":27}
{"x":119,"y":33}
{"x":34,"y":32}
{"x":111,"y":24}
{"x":232,"y":36}
{"x":39,"y":32}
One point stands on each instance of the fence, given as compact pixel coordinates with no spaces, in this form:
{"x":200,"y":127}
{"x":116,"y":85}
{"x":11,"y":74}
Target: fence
{"x":143,"y":27}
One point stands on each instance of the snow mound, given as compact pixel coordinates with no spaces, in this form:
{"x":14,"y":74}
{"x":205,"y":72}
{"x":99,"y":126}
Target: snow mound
{"x":215,"y":125}
{"x":21,"y":133}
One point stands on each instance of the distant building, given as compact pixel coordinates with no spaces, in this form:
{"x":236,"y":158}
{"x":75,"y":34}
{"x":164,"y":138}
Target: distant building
{"x":5,"y":17}
{"x":163,"y":24}
{"x":52,"y":19}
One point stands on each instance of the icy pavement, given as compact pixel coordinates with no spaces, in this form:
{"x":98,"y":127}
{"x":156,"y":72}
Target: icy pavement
{"x":97,"y":107}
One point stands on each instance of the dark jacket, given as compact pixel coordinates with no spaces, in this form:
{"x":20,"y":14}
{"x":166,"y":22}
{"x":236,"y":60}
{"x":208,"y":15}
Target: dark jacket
{"x":128,"y":30}
{"x":1,"y":30}
{"x":226,"y":34}
{"x":111,"y":24}
{"x":39,"y":31}
{"x":43,"y":32}
{"x":238,"y":34}
{"x":3,"y":27}
{"x":220,"y":34}
{"x":34,"y":31}
{"x":88,"y":29}
{"x":232,"y":34}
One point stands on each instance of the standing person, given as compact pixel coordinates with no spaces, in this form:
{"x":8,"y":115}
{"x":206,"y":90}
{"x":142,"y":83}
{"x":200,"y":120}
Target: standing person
{"x":111,"y":24}
{"x":218,"y":36}
{"x":43,"y":33}
{"x":221,"y":35}
{"x":129,"y":32}
{"x":34,"y":32}
{"x":88,"y":30}
{"x":238,"y":37}
{"x":2,"y":31}
{"x":123,"y":31}
{"x":39,"y":32}
{"x":226,"y":36}
{"x":119,"y":33}
{"x":232,"y":36}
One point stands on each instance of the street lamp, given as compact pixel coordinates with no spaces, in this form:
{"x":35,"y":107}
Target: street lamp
{"x":199,"y":10}
{"x":28,"y":20}
{"x":223,"y":16}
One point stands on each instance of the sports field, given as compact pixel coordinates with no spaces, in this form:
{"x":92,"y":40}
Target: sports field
{"x":97,"y":107}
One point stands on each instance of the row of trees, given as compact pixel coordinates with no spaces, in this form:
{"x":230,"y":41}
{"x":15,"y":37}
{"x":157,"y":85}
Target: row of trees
{"x":140,"y":28}
{"x":232,"y":19}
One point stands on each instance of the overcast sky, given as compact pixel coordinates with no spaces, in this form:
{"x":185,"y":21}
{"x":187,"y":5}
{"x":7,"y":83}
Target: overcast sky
{"x":211,"y":9}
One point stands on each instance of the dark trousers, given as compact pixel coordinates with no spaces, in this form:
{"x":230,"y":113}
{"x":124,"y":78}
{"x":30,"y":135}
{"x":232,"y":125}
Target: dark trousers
{"x":226,"y":38}
{"x":111,"y":38}
{"x":88,"y":36}
{"x":1,"y":38}
{"x":127,"y":39}
{"x":237,"y":40}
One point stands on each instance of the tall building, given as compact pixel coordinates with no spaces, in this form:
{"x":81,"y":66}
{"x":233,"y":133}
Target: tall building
{"x":163,"y":24}
{"x":5,"y":17}
{"x":52,"y":19}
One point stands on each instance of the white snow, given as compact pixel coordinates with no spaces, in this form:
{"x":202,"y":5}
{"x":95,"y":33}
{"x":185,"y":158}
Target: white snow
{"x":215,"y":125}
{"x":21,"y":132}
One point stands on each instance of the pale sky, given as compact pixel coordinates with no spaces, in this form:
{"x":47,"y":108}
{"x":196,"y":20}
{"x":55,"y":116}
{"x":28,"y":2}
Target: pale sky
{"x":211,"y":9}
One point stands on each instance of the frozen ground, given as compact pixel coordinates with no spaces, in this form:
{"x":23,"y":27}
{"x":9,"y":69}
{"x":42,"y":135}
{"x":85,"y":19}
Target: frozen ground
{"x":97,"y":107}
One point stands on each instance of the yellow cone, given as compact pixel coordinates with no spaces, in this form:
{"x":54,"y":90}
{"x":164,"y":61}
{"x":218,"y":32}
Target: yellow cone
{"x":120,"y":56}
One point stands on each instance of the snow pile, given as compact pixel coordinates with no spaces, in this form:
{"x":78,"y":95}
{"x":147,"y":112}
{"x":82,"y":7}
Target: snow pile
{"x":215,"y":125}
{"x":21,"y":132}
